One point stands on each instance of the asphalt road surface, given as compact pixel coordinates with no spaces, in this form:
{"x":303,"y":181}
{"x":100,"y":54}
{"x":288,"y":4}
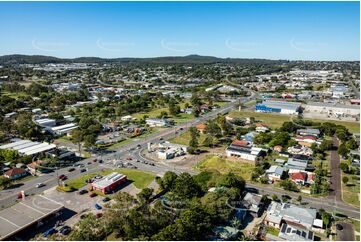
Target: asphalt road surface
{"x":336,"y":192}
{"x":347,"y":233}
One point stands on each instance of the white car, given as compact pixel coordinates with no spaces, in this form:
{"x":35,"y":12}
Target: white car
{"x":38,"y":185}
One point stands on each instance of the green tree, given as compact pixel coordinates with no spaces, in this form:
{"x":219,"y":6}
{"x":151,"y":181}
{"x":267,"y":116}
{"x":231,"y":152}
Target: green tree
{"x":5,"y":182}
{"x":77,"y":138}
{"x":345,"y":179}
{"x":168,"y":180}
{"x":145,"y":195}
{"x":185,"y":187}
{"x":89,"y":228}
{"x":342,"y":150}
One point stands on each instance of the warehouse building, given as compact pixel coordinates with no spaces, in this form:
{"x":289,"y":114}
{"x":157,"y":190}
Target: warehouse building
{"x":62,"y":129}
{"x":46,"y":122}
{"x":269,"y":106}
{"x":27,"y":147}
{"x":332,"y":109}
{"x":109,"y":183}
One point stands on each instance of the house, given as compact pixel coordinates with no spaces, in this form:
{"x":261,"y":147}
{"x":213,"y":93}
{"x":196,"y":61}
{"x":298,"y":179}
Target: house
{"x":300,"y":150}
{"x":278,"y":148}
{"x":306,"y":140}
{"x":297,"y":164}
{"x":201,"y":128}
{"x":109,"y":183}
{"x":127,"y":118}
{"x":248,"y":137}
{"x":301,"y":177}
{"x":280,"y":161}
{"x":261,"y":128}
{"x":291,"y":232}
{"x":242,"y":149}
{"x":15,"y":173}
{"x":253,"y":203}
{"x":157,"y":122}
{"x":274,"y":173}
{"x":278,"y":213}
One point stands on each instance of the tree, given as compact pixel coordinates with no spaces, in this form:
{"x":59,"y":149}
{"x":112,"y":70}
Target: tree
{"x":325,"y":145}
{"x":289,"y":127}
{"x":326,"y":218}
{"x":89,"y":228}
{"x":288,"y":185}
{"x":299,"y":199}
{"x":208,"y":141}
{"x":77,"y":138}
{"x":185,"y":187}
{"x":342,"y":150}
{"x":5,"y":182}
{"x":89,"y":140}
{"x":344,"y":167}
{"x":351,"y":144}
{"x":345,"y":179}
{"x":193,"y":142}
{"x":275,"y":198}
{"x":168,"y":179}
{"x":145,"y":195}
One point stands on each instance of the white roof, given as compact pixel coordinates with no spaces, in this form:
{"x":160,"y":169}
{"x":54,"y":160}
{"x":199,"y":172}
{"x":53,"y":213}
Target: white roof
{"x":318,"y":223}
{"x":41,"y":149}
{"x":65,"y":126}
{"x":16,"y":143}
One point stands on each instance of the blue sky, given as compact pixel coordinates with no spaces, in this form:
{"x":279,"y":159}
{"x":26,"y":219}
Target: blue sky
{"x":272,"y":30}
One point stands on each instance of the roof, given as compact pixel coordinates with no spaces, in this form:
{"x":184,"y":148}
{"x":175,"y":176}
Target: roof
{"x":332,"y":105}
{"x":282,"y":104}
{"x":306,"y":137}
{"x":295,"y":233}
{"x":109,"y":179}
{"x":276,"y":170}
{"x":201,"y":126}
{"x":310,"y":131}
{"x":299,"y":176}
{"x":240,"y":142}
{"x":14,"y":172}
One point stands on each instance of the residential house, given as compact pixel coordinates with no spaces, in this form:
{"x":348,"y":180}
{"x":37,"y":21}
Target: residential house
{"x":261,"y":128}
{"x":300,"y":150}
{"x":301,"y":177}
{"x":201,"y":128}
{"x":242,"y":149}
{"x":279,"y":213}
{"x":277,"y":148}
{"x":309,"y":132}
{"x":15,"y":173}
{"x":253,"y":203}
{"x":291,"y":232}
{"x":275,"y":173}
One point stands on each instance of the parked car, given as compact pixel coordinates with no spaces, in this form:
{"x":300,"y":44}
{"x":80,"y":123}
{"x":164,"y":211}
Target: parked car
{"x":92,"y":194}
{"x":339,"y":227}
{"x":38,"y":185}
{"x":63,"y":177}
{"x":71,"y":169}
{"x":81,"y":192}
{"x":97,"y":206}
{"x":83,"y":170}
{"x":100,"y":161}
{"x":65,"y":230}
{"x":49,"y":232}
{"x":106,"y":199}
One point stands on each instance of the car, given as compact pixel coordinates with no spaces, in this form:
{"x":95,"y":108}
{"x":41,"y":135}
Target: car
{"x":49,"y":232}
{"x":38,"y":185}
{"x":71,"y":169}
{"x":83,"y":170}
{"x":180,"y":128}
{"x":65,"y":230}
{"x":88,"y":163}
{"x":106,"y":199}
{"x":63,"y":177}
{"x":92,"y":194}
{"x":129,"y":158}
{"x":98,"y":207}
{"x":339,"y":227}
{"x":100,"y":161}
{"x":81,"y":192}
{"x":161,"y":138}
{"x":95,"y":160}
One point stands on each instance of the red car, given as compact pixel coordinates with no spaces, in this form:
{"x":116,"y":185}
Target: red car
{"x":129,"y":158}
{"x":63,"y":177}
{"x":92,"y":194}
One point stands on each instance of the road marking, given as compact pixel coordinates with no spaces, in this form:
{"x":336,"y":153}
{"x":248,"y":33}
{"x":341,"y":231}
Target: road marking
{"x":32,"y":208}
{"x":10,"y":222}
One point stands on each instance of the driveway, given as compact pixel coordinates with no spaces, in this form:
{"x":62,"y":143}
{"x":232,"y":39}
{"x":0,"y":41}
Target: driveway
{"x":347,"y":233}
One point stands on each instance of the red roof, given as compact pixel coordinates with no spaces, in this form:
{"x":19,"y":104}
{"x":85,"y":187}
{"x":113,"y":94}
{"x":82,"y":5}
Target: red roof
{"x":306,"y":137}
{"x":260,"y":125}
{"x":14,"y":172}
{"x":240,"y":142}
{"x":299,"y":176}
{"x":201,"y":126}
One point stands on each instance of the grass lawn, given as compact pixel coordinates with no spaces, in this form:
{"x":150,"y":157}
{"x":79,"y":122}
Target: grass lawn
{"x":15,"y":94}
{"x":140,"y":179}
{"x":119,"y":144}
{"x":273,"y":231}
{"x":64,"y":139}
{"x":276,"y":120}
{"x":211,"y":163}
{"x":184,"y":138}
{"x":351,"y":192}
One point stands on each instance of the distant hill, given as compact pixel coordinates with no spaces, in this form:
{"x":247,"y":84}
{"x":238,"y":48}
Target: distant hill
{"x":191,"y":59}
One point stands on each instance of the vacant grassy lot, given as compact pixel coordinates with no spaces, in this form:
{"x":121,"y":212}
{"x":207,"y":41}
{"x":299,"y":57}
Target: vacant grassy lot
{"x":215,"y":163}
{"x":351,"y":191}
{"x":185,"y":137}
{"x":140,"y":179}
{"x":276,"y":120}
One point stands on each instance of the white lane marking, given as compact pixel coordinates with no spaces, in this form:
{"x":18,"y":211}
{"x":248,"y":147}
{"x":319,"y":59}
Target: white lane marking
{"x":10,"y":222}
{"x":32,"y":208}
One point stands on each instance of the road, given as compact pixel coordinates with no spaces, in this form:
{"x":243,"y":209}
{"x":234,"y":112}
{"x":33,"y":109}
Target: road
{"x":347,"y":233}
{"x":355,"y":89}
{"x":336,"y":192}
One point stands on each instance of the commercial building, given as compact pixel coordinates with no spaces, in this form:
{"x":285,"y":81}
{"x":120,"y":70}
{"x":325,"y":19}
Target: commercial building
{"x":27,"y":147}
{"x":62,"y":129}
{"x":46,"y":122}
{"x":332,"y":109}
{"x":269,"y":106}
{"x":109,"y":183}
{"x":157,"y":122}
